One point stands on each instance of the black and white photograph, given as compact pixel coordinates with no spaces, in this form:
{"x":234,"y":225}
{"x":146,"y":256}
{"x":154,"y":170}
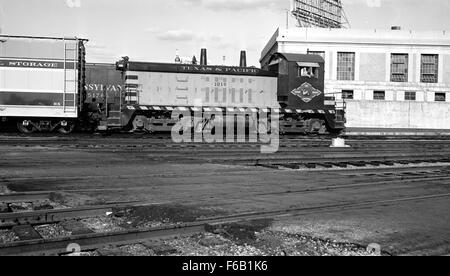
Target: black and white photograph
{"x":224,"y":135}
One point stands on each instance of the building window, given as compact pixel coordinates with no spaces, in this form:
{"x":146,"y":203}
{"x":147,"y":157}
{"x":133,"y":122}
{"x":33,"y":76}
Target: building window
{"x":399,"y":67}
{"x":347,"y":94}
{"x":429,"y":69}
{"x":346,"y":66}
{"x":439,"y":97}
{"x":379,"y":95}
{"x":410,"y":96}
{"x":319,"y":53}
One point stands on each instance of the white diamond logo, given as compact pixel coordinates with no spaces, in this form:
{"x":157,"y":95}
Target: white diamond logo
{"x":306,"y":92}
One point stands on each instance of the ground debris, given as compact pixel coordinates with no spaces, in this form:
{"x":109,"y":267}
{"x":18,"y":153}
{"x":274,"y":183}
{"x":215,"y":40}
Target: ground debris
{"x":196,"y":246}
{"x":4,"y":208}
{"x":242,"y":232}
{"x":7,"y":236}
{"x":4,"y":190}
{"x":266,"y":243}
{"x":103,"y":224}
{"x":126,"y":250}
{"x":52,"y":231}
{"x":72,"y":200}
{"x":151,"y":216}
{"x":21,"y":207}
{"x":47,"y":205}
{"x":160,"y":248}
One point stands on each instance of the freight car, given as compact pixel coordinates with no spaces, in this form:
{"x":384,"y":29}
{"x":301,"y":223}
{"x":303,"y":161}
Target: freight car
{"x":292,"y":86}
{"x":104,"y":90}
{"x":41,"y":82}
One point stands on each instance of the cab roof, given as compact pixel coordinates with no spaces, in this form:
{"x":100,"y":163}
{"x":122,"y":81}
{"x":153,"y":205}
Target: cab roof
{"x":298,"y":57}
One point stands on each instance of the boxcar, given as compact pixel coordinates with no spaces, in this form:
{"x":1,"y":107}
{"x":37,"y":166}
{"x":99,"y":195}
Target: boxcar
{"x":41,"y":82}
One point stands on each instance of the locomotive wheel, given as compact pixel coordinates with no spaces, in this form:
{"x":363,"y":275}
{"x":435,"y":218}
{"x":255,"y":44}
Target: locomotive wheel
{"x":67,"y":129}
{"x":26,"y":129}
{"x":316,"y":126}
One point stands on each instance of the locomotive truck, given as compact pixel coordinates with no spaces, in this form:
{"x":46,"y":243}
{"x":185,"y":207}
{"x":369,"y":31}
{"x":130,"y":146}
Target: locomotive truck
{"x":46,"y":85}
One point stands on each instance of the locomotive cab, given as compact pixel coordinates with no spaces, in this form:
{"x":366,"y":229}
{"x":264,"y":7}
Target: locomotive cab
{"x":301,"y":92}
{"x":300,"y":80}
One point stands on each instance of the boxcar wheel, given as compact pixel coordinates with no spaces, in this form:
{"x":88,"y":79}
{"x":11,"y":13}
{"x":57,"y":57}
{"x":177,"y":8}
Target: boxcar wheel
{"x":67,"y":129}
{"x":26,"y":129}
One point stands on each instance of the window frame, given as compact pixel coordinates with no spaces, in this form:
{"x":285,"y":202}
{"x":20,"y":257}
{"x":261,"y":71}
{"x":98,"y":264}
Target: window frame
{"x":440,"y":93}
{"x":315,"y":72}
{"x":396,"y":67}
{"x":412,"y":99}
{"x":346,"y":93}
{"x":376,"y":97}
{"x":426,"y":76}
{"x":346,"y":60}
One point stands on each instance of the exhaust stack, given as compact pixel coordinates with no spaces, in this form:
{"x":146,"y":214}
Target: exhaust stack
{"x":243,"y":62}
{"x":204,"y":58}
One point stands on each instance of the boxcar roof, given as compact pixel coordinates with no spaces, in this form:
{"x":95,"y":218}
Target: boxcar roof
{"x":42,"y":37}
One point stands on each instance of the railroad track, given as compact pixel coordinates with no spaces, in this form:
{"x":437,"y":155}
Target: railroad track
{"x":97,"y":240}
{"x":128,"y":135}
{"x":8,"y":220}
{"x":329,"y":160}
{"x":31,"y":218}
{"x":88,"y":140}
{"x":24,"y":197}
{"x":335,"y":164}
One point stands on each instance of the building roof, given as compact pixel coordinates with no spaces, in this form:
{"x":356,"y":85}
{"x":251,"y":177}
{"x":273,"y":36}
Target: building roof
{"x":359,"y":37}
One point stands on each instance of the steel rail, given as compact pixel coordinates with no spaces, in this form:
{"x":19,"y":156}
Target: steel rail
{"x":8,"y":220}
{"x":364,"y":157}
{"x":24,"y":197}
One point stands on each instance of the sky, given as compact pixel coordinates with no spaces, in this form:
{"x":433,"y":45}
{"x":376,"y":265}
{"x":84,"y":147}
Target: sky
{"x":153,"y":30}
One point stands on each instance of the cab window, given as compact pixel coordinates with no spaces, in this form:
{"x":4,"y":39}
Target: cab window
{"x":311,"y":72}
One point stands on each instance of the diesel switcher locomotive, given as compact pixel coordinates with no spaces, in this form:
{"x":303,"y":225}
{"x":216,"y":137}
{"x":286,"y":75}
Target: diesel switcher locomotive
{"x":292,"y":86}
{"x":46,"y":85}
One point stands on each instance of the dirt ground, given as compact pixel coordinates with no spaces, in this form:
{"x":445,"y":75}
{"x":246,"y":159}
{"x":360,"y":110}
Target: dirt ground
{"x":189,"y":188}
